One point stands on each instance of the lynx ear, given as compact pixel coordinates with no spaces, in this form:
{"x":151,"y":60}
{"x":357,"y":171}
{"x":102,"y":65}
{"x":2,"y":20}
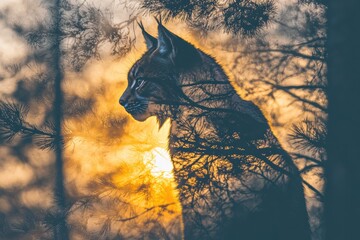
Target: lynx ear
{"x":166,"y":45}
{"x":175,"y":49}
{"x":150,"y":41}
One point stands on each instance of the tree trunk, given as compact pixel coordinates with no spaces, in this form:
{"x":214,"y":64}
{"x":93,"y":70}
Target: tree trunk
{"x":342,"y":206}
{"x":61,"y":230}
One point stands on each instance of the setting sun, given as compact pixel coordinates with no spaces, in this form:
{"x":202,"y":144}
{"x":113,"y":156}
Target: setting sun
{"x":159,"y":161}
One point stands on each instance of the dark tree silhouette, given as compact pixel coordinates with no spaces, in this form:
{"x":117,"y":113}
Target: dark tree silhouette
{"x":61,"y":229}
{"x":245,"y":17}
{"x":342,"y":192}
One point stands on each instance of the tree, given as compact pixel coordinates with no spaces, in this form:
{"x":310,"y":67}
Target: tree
{"x":61,"y":228}
{"x":342,"y":176}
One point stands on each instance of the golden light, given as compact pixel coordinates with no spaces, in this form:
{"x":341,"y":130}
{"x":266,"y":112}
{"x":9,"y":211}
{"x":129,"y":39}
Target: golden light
{"x":158,"y":159}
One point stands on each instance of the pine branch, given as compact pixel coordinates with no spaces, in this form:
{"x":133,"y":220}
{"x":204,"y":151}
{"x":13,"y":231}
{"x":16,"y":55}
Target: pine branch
{"x":13,"y":123}
{"x":244,"y":17}
{"x":309,"y":136}
{"x":162,"y":206}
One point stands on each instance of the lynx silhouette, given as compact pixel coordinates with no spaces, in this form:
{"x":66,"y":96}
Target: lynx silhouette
{"x":235,"y":180}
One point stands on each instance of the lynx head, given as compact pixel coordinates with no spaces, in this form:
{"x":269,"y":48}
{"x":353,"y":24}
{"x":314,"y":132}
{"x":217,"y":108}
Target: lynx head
{"x":153,"y":79}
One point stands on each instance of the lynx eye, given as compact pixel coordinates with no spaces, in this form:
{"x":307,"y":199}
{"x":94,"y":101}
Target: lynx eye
{"x":138,"y":83}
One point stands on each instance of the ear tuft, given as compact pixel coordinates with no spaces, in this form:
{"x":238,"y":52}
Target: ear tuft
{"x":158,"y":20}
{"x":150,"y":41}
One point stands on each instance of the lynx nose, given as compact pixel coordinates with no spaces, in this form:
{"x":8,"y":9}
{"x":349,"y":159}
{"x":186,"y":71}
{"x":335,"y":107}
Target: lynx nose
{"x":122,"y":102}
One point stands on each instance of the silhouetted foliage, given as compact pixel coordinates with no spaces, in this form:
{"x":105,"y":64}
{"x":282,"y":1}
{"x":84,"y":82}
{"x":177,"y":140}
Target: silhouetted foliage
{"x":245,"y":17}
{"x":85,"y":30}
{"x":289,"y":76}
{"x":13,"y":122}
{"x":309,"y":136}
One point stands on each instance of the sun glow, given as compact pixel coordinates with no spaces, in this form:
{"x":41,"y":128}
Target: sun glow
{"x":124,"y":163}
{"x":158,"y":159}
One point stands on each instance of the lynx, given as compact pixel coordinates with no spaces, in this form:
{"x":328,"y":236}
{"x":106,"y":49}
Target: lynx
{"x":235,"y":181}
